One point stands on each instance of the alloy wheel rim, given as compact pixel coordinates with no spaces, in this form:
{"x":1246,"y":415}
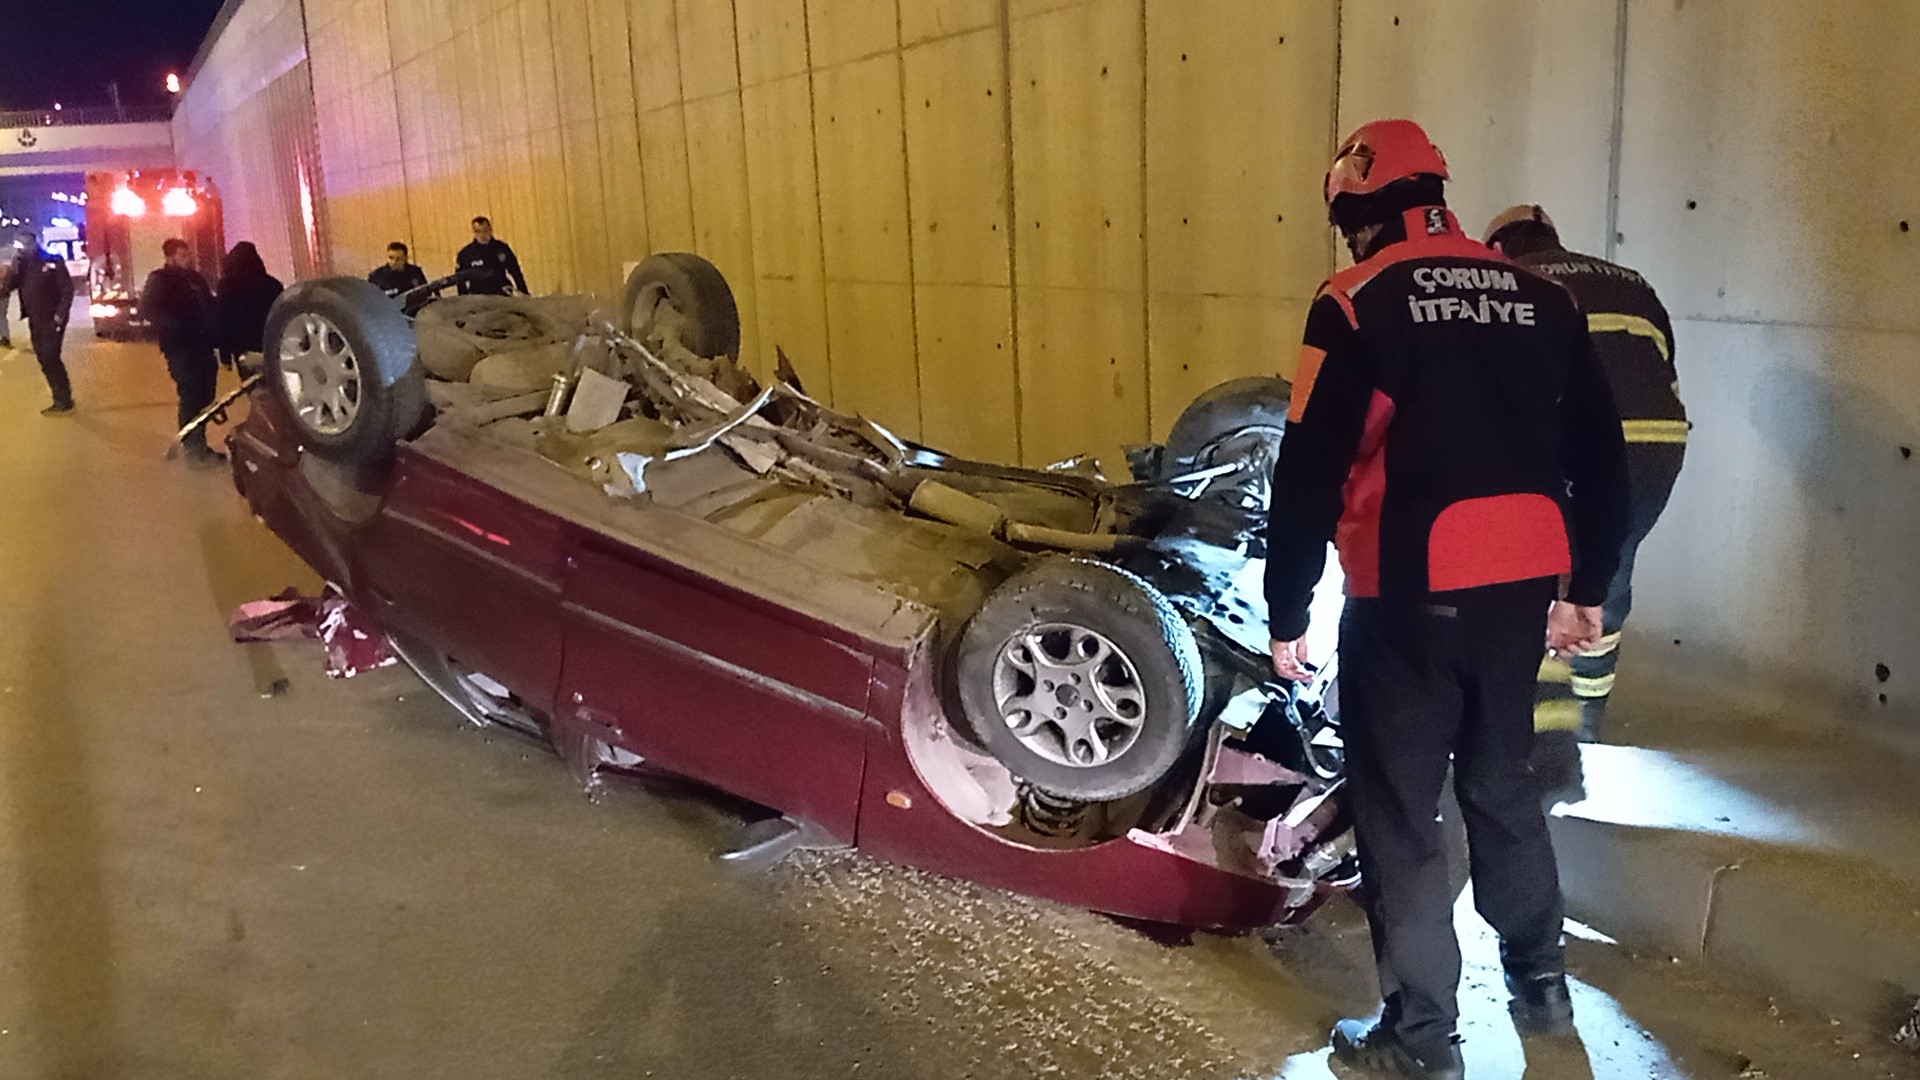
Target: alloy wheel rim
{"x":321,"y":375}
{"x":1069,"y":694}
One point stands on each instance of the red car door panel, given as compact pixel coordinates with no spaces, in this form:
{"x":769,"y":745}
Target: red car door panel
{"x":714,"y":685}
{"x":472,"y":572}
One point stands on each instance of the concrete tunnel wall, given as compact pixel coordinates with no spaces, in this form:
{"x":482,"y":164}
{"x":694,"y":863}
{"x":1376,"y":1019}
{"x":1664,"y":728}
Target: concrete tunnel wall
{"x":248,"y":123}
{"x":1022,"y":229}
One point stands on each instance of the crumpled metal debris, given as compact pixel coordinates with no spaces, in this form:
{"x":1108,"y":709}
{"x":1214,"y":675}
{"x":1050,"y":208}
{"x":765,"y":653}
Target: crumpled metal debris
{"x":353,"y":644}
{"x":713,"y":405}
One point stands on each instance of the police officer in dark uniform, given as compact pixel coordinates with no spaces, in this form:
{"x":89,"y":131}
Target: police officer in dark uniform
{"x":1633,"y":337}
{"x":488,"y":267}
{"x":1452,"y":432}
{"x":398,"y":274}
{"x":46,"y":301}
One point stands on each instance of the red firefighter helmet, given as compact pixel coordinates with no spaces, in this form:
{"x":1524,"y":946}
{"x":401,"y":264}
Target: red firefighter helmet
{"x":1379,"y":154}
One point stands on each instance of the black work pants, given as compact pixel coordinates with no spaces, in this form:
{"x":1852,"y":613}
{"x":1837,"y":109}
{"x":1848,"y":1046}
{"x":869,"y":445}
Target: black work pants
{"x":48,"y":337}
{"x":195,"y":372}
{"x":1422,"y":684}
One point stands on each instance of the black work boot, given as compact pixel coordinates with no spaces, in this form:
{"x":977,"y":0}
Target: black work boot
{"x":58,"y":408}
{"x":1541,"y":1004}
{"x":1365,"y":1044}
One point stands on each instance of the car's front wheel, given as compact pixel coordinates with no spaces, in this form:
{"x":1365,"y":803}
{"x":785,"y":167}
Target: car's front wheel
{"x":1081,"y":679}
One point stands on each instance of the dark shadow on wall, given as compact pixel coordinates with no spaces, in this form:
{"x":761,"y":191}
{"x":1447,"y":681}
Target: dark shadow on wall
{"x":1861,"y":494}
{"x":1834,"y":418}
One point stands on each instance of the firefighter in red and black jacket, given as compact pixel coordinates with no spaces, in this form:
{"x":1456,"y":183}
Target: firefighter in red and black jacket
{"x":1633,"y":337}
{"x":1453,"y":434}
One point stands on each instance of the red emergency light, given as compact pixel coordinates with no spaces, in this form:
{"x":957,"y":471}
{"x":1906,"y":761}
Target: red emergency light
{"x":127,"y":203}
{"x":179,"y":202}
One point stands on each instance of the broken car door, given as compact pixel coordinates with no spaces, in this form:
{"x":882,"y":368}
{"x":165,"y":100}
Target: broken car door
{"x":713,"y":683}
{"x":472,"y":572}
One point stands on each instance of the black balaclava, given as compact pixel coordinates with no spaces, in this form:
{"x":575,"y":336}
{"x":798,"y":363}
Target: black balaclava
{"x":1351,"y":213}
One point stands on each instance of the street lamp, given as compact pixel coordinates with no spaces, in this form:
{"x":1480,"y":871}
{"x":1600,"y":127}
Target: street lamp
{"x":173,"y":82}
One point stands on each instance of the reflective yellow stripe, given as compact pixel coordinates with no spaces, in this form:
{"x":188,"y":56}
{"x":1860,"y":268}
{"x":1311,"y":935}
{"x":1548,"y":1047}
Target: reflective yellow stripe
{"x":1612,"y":322}
{"x":1606,"y":645}
{"x":1592,"y":687}
{"x":1655,"y":431}
{"x":1554,"y":670}
{"x":1559,"y":715}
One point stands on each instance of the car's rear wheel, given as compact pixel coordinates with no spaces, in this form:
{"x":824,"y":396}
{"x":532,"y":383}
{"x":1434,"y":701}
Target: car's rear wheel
{"x":1239,"y":422}
{"x":679,"y":295}
{"x":341,"y":359}
{"x":1081,"y":679}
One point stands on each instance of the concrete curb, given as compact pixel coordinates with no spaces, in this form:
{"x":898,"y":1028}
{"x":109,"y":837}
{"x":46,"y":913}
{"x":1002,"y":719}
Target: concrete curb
{"x":1832,"y":931}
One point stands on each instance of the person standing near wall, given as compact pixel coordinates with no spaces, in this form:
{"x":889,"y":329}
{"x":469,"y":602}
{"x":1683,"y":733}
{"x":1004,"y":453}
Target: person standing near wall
{"x":245,"y":294}
{"x":1633,"y":337}
{"x":489,"y":267}
{"x":7,"y":273}
{"x":177,"y":299}
{"x":398,"y":274}
{"x":45,"y":286}
{"x":1452,"y":432}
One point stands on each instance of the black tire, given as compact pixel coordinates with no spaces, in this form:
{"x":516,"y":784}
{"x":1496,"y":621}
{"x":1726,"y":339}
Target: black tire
{"x":1239,"y":421}
{"x":1259,"y":401}
{"x":698,"y":290}
{"x":1136,"y":621}
{"x":390,"y":395}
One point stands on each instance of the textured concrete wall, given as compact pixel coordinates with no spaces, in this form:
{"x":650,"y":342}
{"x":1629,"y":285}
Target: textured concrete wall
{"x":1519,"y":94}
{"x":1020,"y":229}
{"x":1767,"y":187}
{"x":1025,"y":228}
{"x":247,"y":122}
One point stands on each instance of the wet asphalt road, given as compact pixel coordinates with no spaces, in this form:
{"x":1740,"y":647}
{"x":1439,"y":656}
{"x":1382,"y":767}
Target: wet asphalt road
{"x":197,"y":881}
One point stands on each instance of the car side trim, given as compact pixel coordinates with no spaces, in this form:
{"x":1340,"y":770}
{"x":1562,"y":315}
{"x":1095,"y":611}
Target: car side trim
{"x":805,"y":698}
{"x":551,"y":585}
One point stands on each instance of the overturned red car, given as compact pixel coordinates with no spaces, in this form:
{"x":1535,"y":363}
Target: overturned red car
{"x":614,"y":540}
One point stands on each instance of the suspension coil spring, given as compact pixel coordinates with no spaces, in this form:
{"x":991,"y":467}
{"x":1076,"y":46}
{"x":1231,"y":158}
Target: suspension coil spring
{"x":1050,"y":815}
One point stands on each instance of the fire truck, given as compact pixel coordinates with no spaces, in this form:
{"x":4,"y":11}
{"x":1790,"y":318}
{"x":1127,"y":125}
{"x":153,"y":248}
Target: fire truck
{"x":130,"y":215}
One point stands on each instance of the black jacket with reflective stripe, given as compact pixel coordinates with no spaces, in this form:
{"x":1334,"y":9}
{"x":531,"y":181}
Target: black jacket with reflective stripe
{"x":1632,"y":336}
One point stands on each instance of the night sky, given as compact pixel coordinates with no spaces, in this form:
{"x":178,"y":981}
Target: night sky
{"x":68,"y":50}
